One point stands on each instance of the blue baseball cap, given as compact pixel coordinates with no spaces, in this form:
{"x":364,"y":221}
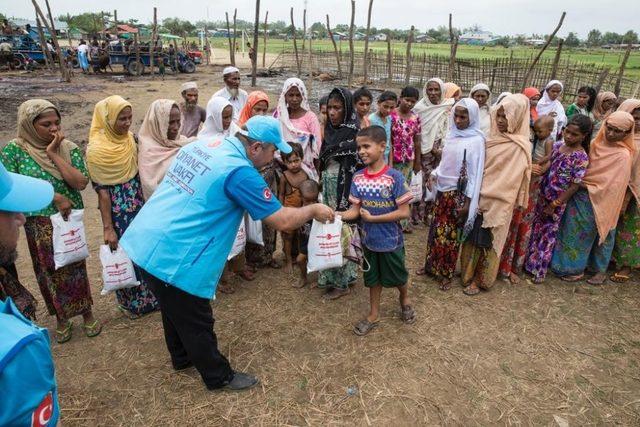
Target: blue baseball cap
{"x":267,"y":129}
{"x":19,"y":193}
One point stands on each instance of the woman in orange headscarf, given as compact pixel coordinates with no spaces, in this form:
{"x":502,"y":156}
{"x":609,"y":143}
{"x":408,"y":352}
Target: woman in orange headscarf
{"x":257,"y":105}
{"x":626,"y":252}
{"x":588,"y":227}
{"x":505,"y":185}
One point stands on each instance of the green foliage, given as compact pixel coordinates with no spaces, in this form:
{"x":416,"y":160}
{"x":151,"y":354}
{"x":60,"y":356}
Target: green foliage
{"x":178,"y":27}
{"x":572,"y":40}
{"x":87,"y":22}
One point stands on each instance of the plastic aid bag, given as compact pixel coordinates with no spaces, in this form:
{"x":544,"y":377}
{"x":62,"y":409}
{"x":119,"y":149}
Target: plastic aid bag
{"x":117,"y":270}
{"x":416,"y":186}
{"x":254,"y":231}
{"x":325,"y":247}
{"x":69,"y":240}
{"x":239,"y":243}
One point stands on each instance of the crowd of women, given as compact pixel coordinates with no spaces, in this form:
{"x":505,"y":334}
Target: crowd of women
{"x":517,"y":186}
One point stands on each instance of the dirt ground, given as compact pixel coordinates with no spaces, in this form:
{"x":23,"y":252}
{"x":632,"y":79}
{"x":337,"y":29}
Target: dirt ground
{"x":530,"y":355}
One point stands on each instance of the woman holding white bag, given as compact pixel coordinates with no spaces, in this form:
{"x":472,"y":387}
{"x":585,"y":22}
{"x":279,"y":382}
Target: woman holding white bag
{"x":41,"y":151}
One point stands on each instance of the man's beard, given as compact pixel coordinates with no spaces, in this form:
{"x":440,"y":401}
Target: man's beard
{"x":233,"y":91}
{"x":7,"y":256}
{"x":190,"y":106}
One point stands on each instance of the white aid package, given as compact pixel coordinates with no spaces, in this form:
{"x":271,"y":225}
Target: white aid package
{"x":254,"y":231}
{"x":69,"y":240}
{"x":117,"y":270}
{"x":416,"y":186}
{"x":325,"y":248}
{"x":240,"y":242}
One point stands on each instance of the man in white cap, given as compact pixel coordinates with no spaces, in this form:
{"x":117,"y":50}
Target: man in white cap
{"x":231,"y":90}
{"x":183,"y":235}
{"x":193,"y":115}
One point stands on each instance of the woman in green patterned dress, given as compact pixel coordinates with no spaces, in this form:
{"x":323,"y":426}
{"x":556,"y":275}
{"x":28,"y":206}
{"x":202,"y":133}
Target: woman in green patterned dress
{"x":41,"y":151}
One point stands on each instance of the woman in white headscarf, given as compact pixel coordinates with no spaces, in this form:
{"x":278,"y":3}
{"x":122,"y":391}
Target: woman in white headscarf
{"x":549,"y":105}
{"x":299,"y":123}
{"x":482,"y":95}
{"x":159,"y":140}
{"x":219,"y":117}
{"x":457,"y":179}
{"x":433,"y":110}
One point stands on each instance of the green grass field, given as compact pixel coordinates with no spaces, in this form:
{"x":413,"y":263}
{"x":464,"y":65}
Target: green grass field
{"x":595,"y":56}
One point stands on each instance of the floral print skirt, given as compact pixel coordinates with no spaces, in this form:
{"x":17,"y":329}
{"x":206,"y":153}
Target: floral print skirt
{"x":626,"y":252}
{"x":443,"y":245}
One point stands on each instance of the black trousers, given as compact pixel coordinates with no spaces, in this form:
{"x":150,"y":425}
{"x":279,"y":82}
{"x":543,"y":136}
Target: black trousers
{"x":188,"y":331}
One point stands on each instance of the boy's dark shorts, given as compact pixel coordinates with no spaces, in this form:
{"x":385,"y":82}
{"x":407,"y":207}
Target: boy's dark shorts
{"x":386,"y":269}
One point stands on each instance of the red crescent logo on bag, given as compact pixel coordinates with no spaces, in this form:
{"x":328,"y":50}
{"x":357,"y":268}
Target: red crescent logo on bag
{"x":42,"y":414}
{"x":267,"y":194}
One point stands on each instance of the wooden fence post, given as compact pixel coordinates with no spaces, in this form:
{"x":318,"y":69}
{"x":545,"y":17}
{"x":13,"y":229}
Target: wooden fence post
{"x":304,"y":29}
{"x":136,"y":42}
{"x":232,"y":53}
{"x":235,"y":35}
{"x":335,"y":47}
{"x":152,"y":47}
{"x":453,"y":40}
{"x":295,"y":45}
{"x":366,"y":44}
{"x":546,"y":45}
{"x":63,"y":67}
{"x":48,"y":60}
{"x":407,"y":75}
{"x":353,"y":17}
{"x":556,"y":59}
{"x":264,"y":40}
{"x":254,"y":60}
{"x":389,"y":59}
{"x":623,"y":65}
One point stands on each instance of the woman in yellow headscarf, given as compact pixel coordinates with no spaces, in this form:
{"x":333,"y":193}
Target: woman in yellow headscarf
{"x":112,"y":160}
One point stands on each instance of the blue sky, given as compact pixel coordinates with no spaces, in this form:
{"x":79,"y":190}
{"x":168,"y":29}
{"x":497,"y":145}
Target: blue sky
{"x":498,"y":16}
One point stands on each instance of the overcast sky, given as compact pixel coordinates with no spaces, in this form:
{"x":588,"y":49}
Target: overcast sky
{"x":499,"y":16}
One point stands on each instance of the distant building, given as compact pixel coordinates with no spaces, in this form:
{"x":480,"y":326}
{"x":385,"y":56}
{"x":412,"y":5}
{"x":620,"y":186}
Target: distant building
{"x":381,"y":37}
{"x":423,"y":38}
{"x":61,"y":27}
{"x":478,"y":38}
{"x":535,"y":42}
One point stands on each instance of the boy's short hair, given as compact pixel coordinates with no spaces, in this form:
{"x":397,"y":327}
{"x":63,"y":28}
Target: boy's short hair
{"x":309,"y":187}
{"x":387,"y":95}
{"x":295,"y":149}
{"x":363,"y":92}
{"x":375,"y":133}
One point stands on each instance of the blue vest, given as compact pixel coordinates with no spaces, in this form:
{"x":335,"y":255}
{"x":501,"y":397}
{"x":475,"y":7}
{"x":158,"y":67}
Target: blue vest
{"x":185,"y":231}
{"x":28,"y":391}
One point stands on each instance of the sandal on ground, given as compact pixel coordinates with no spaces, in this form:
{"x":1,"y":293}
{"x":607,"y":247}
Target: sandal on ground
{"x":408,"y":314}
{"x":128,"y":314}
{"x":226,"y":288}
{"x":445,"y":285}
{"x":471,"y":290}
{"x":246,"y":275}
{"x":597,"y":282}
{"x":335,"y":294}
{"x":363,"y":327}
{"x":299,"y":284}
{"x":538,"y":280}
{"x":275,"y":264}
{"x":619,"y":277}
{"x":422,"y":272}
{"x":93,"y":329}
{"x":574,"y":278}
{"x":64,"y":335}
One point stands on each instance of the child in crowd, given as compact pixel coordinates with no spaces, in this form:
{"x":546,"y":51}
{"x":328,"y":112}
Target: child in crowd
{"x":569,"y":162}
{"x":309,"y":190}
{"x":387,"y":102}
{"x":584,"y":103}
{"x":406,"y":138}
{"x":362,"y":100}
{"x":380,"y":198}
{"x":515,"y":248}
{"x":322,"y":116}
{"x":290,"y":196}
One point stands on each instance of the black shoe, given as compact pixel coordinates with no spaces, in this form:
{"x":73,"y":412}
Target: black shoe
{"x":183,"y":366}
{"x":241,"y":381}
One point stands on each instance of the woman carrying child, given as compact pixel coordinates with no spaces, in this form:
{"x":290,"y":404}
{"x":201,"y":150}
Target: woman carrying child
{"x":569,"y":161}
{"x":587,"y":231}
{"x":457,"y":180}
{"x":550,"y":105}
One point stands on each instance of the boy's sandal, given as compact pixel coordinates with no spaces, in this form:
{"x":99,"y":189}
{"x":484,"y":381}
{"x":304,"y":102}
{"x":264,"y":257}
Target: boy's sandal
{"x":92,"y":329}
{"x":597,"y":282}
{"x":408,"y":314}
{"x":363,"y":327}
{"x":574,"y":278}
{"x":471,"y":290}
{"x":64,"y":335}
{"x":619,"y":277}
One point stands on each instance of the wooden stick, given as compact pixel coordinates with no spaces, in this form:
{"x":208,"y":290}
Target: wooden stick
{"x":152,"y":47}
{"x":48,"y":60}
{"x":310,"y":69}
{"x":136,"y":43}
{"x":366,"y":44}
{"x":264,"y":40}
{"x":254,"y":59}
{"x":353,"y":17}
{"x":53,"y":27}
{"x":295,"y":45}
{"x":556,"y":59}
{"x":407,"y":75}
{"x":304,"y":28}
{"x":453,"y":40}
{"x":335,"y":47}
{"x":603,"y":75}
{"x":623,"y":65}
{"x":546,"y":45}
{"x":231,"y":52}
{"x":235,"y":36}
{"x":63,"y":67}
{"x":389,"y":59}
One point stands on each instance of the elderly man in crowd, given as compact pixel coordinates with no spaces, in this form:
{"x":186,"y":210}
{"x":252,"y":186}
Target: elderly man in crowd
{"x":193,"y":115}
{"x":231,"y":90}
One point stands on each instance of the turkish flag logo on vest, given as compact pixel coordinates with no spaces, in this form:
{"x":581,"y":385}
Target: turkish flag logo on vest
{"x":42,"y":415}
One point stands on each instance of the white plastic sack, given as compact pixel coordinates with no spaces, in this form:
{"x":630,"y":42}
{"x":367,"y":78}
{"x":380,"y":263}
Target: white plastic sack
{"x":239,"y":243}
{"x":430,"y":195}
{"x":117,"y":270}
{"x":416,"y":186}
{"x":325,"y":248}
{"x":69,"y":241}
{"x":254,"y":231}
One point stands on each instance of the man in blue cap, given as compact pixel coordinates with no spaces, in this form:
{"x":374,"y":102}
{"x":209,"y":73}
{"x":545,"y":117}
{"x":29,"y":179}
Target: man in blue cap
{"x":182,"y":236}
{"x":27,"y":377}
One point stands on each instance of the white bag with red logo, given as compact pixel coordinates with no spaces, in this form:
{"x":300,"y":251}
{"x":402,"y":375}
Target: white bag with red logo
{"x":254,"y":230}
{"x":325,"y":248}
{"x":117,"y":270}
{"x":240,"y":242}
{"x":69,"y":241}
{"x":416,"y":186}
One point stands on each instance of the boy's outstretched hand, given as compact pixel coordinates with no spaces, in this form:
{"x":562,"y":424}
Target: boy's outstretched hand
{"x":323,"y":213}
{"x":365,"y":215}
